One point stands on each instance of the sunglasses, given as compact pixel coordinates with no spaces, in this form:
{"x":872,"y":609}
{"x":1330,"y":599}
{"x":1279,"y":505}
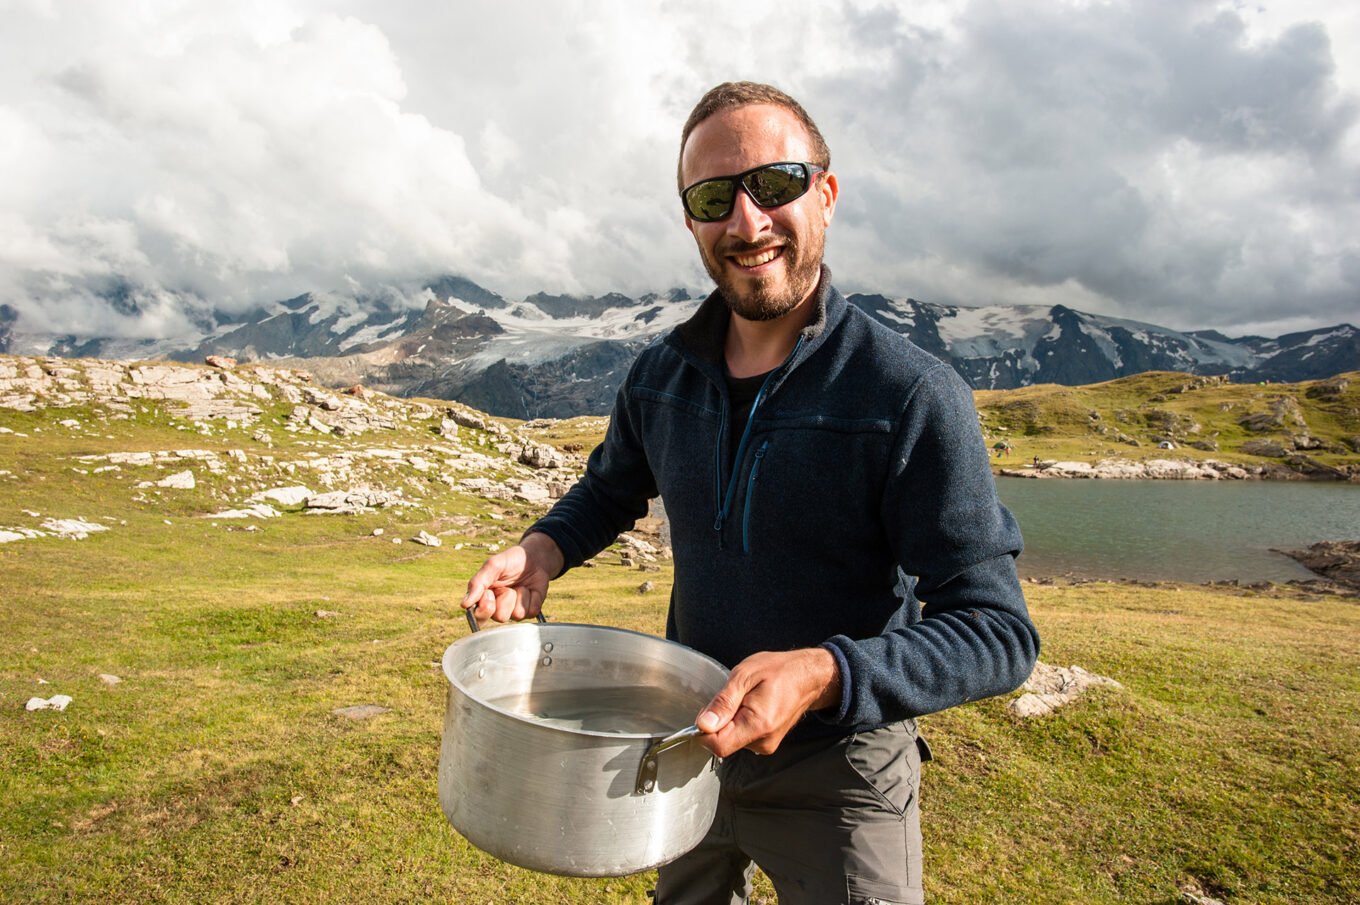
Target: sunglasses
{"x":771,"y":185}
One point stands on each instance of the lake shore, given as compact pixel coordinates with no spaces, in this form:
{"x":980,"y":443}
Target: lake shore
{"x":1294,"y":468}
{"x":1312,"y":589}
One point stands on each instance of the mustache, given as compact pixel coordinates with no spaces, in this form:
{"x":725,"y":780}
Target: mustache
{"x":739,"y":247}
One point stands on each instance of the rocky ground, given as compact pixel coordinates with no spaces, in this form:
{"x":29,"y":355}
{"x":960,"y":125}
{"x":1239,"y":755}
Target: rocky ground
{"x":270,"y":440}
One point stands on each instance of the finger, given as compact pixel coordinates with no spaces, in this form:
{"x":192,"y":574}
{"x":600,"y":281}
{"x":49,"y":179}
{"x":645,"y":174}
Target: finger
{"x":485,"y":607}
{"x":535,"y":603}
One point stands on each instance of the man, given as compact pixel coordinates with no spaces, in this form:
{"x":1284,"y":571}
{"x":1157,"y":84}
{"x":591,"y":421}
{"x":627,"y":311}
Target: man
{"x":810,"y":460}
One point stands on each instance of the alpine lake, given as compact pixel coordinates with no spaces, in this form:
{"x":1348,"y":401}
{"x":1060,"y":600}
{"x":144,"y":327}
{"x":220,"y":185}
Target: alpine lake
{"x":1185,"y":531}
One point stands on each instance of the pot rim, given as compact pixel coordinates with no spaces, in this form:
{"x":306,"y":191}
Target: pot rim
{"x":469,"y":640}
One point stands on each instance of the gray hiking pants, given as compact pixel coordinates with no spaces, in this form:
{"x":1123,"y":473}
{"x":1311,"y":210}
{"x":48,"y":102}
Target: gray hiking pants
{"x":829,"y":821}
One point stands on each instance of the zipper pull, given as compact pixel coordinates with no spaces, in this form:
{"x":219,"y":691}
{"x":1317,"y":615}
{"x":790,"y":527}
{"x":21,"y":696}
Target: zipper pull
{"x":717,"y":523}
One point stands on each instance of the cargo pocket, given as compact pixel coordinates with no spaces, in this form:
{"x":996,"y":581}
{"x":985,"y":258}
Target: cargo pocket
{"x":888,"y":763}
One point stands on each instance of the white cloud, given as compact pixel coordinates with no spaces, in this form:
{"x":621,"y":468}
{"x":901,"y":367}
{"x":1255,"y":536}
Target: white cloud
{"x":1192,"y":163}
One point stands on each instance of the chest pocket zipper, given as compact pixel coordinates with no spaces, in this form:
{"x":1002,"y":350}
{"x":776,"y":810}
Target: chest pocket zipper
{"x":750,"y":489}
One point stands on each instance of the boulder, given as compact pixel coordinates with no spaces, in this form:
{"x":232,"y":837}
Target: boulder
{"x":260,"y":510}
{"x":180,"y":480}
{"x":72,"y":528}
{"x":427,"y":539}
{"x":1328,"y":389}
{"x":285,"y":496}
{"x":539,"y":455}
{"x":1051,"y":687}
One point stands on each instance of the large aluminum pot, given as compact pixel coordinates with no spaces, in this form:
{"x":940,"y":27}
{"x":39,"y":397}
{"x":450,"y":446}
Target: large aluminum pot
{"x":560,"y":750}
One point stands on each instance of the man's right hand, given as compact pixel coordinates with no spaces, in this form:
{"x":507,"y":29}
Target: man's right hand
{"x":512,"y":583}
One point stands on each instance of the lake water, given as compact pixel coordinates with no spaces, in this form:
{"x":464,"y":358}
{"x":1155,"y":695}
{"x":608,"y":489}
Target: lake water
{"x":1176,"y":530}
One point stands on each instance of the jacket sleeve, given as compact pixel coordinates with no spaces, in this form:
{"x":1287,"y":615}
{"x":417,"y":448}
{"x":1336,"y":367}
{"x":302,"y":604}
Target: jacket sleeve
{"x":612,"y":494}
{"x":948,"y":528}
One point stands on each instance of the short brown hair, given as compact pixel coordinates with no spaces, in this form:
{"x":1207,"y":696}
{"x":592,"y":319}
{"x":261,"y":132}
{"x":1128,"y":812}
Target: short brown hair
{"x":729,"y":96}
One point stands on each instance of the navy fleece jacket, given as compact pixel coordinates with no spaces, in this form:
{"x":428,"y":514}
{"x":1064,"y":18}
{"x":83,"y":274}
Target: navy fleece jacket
{"x":859,"y":491}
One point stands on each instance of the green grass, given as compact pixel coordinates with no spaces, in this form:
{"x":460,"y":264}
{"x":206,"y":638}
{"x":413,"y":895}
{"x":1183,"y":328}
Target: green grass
{"x":1083,"y":423}
{"x":217,"y":772}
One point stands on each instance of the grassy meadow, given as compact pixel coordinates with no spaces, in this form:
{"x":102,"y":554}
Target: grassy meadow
{"x":1086,"y":423}
{"x":216,"y":770}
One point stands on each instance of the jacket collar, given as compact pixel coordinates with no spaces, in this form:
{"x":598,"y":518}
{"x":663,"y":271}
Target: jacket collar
{"x":701,"y":339}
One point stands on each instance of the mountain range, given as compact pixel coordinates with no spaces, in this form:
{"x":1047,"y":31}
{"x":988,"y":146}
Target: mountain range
{"x":564,"y":355}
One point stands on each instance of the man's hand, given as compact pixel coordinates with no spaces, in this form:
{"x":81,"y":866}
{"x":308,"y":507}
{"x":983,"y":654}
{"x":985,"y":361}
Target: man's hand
{"x":766,"y":695}
{"x":513,"y":583}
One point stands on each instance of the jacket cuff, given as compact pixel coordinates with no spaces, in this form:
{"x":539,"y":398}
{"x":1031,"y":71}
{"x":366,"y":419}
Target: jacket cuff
{"x":828,"y":715}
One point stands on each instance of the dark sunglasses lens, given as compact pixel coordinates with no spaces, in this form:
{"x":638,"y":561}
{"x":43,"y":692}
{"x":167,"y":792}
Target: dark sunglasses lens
{"x":710,"y":200}
{"x":777,"y":184}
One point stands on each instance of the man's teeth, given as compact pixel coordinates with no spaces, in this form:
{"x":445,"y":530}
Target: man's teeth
{"x":756,"y":260}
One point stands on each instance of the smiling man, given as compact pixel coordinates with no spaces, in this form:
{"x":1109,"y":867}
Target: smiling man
{"x":837,"y":537}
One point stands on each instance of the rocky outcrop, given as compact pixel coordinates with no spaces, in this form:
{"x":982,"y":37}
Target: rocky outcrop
{"x":1127,"y":469}
{"x":1294,"y":467}
{"x":1337,"y":560}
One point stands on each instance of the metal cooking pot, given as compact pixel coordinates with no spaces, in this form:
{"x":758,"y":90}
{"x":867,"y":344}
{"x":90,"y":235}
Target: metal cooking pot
{"x":560,"y":750}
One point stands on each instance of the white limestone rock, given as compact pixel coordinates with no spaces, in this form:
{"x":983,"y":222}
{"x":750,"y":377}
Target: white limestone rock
{"x":58,"y":702}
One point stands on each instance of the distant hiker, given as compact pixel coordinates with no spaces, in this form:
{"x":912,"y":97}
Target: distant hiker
{"x":823,"y":477}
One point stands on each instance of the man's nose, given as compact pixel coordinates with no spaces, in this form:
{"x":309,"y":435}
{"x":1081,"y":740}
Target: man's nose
{"x":748,"y":219}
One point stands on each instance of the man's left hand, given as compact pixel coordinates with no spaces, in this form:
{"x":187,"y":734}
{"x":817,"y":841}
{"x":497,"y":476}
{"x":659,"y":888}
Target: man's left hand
{"x":766,"y":695}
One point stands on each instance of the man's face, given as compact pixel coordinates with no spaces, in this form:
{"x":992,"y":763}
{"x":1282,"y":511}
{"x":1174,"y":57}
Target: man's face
{"x":766,"y":261}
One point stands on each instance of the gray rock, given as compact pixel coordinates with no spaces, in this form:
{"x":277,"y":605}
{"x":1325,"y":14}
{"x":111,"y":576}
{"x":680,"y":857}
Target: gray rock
{"x":180,"y":480}
{"x":284,"y":496}
{"x":1269,"y":448}
{"x":58,"y":702}
{"x":539,"y":455}
{"x":427,"y":539}
{"x":1051,"y":687}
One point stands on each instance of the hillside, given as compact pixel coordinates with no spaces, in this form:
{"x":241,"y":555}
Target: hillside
{"x":1278,"y":430}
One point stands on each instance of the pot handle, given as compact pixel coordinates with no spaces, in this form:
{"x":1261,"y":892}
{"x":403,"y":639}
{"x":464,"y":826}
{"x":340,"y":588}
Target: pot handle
{"x":472,"y":620}
{"x":646,"y":777}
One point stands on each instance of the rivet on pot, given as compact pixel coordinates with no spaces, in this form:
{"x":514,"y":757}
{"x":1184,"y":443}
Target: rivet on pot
{"x":650,"y":785}
{"x":651,"y":764}
{"x":547,"y":648}
{"x":547,"y":661}
{"x":481,"y":673}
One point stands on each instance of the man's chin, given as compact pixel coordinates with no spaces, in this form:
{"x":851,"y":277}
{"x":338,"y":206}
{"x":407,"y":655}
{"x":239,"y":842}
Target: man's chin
{"x":759,"y":306}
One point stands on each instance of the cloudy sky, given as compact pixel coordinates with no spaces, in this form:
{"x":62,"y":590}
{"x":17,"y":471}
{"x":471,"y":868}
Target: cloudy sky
{"x":1193,"y":163}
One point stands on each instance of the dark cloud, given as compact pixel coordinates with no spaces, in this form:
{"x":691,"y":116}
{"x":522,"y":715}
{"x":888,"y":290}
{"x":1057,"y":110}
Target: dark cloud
{"x":1146,"y":156}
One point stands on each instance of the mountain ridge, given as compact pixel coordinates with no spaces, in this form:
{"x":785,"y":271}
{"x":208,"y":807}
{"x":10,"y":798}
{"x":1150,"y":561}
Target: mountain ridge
{"x":560,"y":355}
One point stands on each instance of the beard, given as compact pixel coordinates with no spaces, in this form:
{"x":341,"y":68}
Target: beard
{"x":769,"y":297}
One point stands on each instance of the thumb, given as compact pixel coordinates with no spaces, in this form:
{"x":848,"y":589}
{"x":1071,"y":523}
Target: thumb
{"x":723,"y":707}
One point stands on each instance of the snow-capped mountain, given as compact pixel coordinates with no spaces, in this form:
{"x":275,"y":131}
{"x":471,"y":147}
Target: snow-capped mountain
{"x":561,"y":355}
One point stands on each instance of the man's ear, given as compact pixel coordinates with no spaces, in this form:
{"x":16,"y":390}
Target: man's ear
{"x":828,"y":189}
{"x":689,"y":224}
